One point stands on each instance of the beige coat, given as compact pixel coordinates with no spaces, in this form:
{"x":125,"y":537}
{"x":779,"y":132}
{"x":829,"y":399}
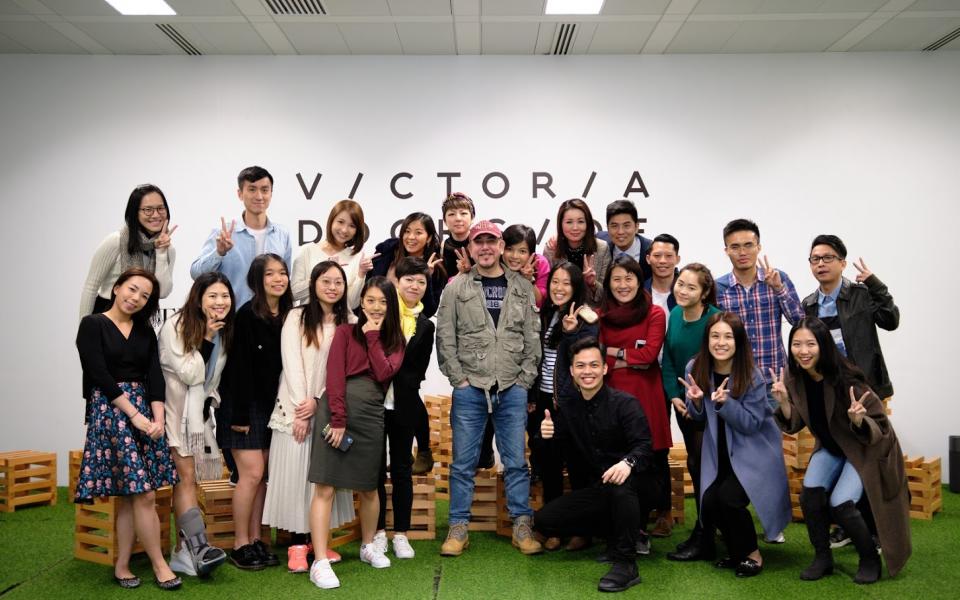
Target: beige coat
{"x":876,"y":455}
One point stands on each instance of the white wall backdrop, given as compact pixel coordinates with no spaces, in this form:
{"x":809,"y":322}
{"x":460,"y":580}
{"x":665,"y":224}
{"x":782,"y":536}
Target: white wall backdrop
{"x":861,"y":145}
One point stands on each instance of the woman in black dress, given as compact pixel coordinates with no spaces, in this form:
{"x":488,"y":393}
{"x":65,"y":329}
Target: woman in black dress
{"x":125,"y":453}
{"x":248,"y":391}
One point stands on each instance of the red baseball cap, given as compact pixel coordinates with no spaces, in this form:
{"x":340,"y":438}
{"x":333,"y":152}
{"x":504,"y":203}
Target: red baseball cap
{"x":484,"y":228}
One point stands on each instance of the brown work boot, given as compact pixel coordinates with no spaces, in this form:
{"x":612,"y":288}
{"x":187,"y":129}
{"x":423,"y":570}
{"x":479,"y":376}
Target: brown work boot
{"x":457,"y":540}
{"x":664,"y":525}
{"x":523,"y":536}
{"x":577,"y":542}
{"x":423,"y":464}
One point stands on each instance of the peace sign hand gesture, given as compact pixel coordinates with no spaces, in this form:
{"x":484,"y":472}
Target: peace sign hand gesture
{"x":694,"y":393}
{"x":528,"y":270}
{"x":463,"y":260}
{"x":589,"y":275}
{"x":570,"y":320}
{"x":225,"y":238}
{"x":720,"y":394}
{"x":163,"y":240}
{"x":777,"y":389}
{"x":864,"y":272}
{"x":432,"y":262}
{"x":857,"y":410}
{"x":771,"y":276}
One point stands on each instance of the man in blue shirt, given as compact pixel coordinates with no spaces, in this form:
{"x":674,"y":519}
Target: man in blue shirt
{"x":232,"y":249}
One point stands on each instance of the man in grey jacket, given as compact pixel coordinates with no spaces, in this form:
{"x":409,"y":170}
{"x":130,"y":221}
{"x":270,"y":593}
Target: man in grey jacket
{"x":488,"y":346}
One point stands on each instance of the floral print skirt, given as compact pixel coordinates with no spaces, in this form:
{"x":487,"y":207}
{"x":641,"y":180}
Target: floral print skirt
{"x":118,"y":458}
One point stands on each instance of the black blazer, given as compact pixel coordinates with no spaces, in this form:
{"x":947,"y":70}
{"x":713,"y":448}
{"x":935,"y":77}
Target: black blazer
{"x":413,"y":370}
{"x":435,"y":284}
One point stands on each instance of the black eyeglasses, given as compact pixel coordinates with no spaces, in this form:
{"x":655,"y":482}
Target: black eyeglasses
{"x":148,"y":211}
{"x":825,"y":259}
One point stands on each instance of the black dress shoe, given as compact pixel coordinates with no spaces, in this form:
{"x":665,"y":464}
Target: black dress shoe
{"x":693,"y":551}
{"x":485,"y":462}
{"x":748,"y":568}
{"x":268,"y":558}
{"x":726,"y":563}
{"x":247,"y":557}
{"x":621,"y":576}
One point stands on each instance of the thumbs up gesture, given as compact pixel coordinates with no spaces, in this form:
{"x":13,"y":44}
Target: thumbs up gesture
{"x":546,"y":426}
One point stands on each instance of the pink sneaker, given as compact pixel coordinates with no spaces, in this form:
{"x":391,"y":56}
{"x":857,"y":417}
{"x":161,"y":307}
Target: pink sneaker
{"x":297,"y":559}
{"x":333,"y":557}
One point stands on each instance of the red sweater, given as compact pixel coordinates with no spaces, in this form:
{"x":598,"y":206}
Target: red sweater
{"x":645,"y":384}
{"x":347,"y":358}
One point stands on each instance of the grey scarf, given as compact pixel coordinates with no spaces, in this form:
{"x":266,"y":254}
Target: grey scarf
{"x":145,"y":259}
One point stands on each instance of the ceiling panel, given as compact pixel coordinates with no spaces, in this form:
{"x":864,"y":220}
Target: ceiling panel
{"x":371,"y":38}
{"x":788,"y":36}
{"x":81,"y":8}
{"x":509,"y":38}
{"x":130,"y":38}
{"x":920,"y":5}
{"x":465,"y":8}
{"x":315,"y":38}
{"x":703,"y":36}
{"x":7,"y":7}
{"x":788,"y":6}
{"x":726,"y":7}
{"x":634,"y":7}
{"x":357,"y":8}
{"x":830,"y":6}
{"x":420,"y":8}
{"x":620,"y":38}
{"x":204,"y":8}
{"x":426,"y":38}
{"x":8,"y":46}
{"x":467,"y":34}
{"x":545,"y":38}
{"x":907,"y":33}
{"x":231,"y":38}
{"x":510,"y":8}
{"x":39,"y":37}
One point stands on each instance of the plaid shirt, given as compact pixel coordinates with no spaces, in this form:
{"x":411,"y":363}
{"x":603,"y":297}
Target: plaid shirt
{"x":761,"y":309}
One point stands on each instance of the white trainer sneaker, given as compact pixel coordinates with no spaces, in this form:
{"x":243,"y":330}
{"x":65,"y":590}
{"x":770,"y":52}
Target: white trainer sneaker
{"x":402,"y":547}
{"x":380,"y":541}
{"x":182,"y":562}
{"x":372,"y":555}
{"x":322,"y":575}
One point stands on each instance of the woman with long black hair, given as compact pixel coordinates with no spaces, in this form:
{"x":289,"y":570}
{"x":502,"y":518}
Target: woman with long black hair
{"x":418,"y":238}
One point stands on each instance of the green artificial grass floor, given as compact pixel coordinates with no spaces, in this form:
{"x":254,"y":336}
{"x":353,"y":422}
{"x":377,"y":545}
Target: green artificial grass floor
{"x":36,"y":561}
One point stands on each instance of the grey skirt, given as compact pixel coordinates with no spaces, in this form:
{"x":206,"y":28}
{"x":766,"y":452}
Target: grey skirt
{"x":359,"y":467}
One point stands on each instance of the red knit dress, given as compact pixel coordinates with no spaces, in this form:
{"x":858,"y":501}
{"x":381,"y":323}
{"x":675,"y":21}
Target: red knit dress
{"x":645,"y":384}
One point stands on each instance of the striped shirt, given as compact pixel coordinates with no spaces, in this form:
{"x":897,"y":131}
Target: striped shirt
{"x":549,"y":359}
{"x":762,"y":311}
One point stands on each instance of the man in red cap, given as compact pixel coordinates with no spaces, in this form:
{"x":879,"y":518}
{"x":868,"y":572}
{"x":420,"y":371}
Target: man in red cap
{"x":488,"y":346}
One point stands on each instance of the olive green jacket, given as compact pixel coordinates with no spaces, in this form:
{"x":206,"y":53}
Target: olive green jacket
{"x":469,"y":348}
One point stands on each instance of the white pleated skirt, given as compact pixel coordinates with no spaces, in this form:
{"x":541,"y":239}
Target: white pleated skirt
{"x":289,"y":492}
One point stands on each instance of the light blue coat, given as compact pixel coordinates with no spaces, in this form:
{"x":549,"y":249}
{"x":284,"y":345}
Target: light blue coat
{"x":756,"y":451}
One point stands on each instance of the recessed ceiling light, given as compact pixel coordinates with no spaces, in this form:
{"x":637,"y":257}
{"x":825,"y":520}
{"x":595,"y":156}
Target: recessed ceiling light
{"x":141,"y":7}
{"x":573,"y":7}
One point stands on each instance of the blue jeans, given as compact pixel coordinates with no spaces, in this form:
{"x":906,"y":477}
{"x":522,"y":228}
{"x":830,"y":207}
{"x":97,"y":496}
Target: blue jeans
{"x":468,"y":417}
{"x":834,"y":474}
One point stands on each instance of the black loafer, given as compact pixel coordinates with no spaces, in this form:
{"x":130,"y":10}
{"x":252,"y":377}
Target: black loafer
{"x":748,"y":568}
{"x":726,"y":563}
{"x":170,"y":584}
{"x":127,"y":583}
{"x":266,"y":557}
{"x":247,"y":558}
{"x":692,"y":552}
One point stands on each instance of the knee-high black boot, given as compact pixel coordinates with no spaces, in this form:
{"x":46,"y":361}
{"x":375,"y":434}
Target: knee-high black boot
{"x":816,"y":514}
{"x":848,"y":517}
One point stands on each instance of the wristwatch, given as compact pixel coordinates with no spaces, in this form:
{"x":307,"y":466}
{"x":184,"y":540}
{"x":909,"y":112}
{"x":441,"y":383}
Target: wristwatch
{"x":630,"y":461}
{"x":621,"y":353}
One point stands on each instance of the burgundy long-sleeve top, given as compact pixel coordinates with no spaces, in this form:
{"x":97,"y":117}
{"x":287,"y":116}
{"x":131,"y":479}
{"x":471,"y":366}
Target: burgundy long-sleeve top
{"x":348,"y":358}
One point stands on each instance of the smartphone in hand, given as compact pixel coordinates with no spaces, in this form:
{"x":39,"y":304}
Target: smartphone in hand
{"x":345,"y":443}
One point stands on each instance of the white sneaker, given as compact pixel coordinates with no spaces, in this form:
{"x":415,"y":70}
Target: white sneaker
{"x":372,"y":555}
{"x":322,"y":575}
{"x":778,"y":539}
{"x":402,"y":547}
{"x":182,"y":562}
{"x":380,"y":541}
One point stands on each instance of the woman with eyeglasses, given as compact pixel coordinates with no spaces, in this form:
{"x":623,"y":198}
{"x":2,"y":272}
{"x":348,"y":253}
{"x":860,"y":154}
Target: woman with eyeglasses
{"x":143,"y":242}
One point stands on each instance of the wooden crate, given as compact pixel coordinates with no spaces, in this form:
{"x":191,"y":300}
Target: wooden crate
{"x":215,"y":499}
{"x":678,"y":454}
{"x":441,"y":441}
{"x":924,"y":480}
{"x":27,"y":478}
{"x":678,"y":490}
{"x":886,"y":405}
{"x":483,"y":511}
{"x":423,"y":515}
{"x":73,"y":471}
{"x":798,"y":448}
{"x":95,"y":526}
{"x":795,"y":484}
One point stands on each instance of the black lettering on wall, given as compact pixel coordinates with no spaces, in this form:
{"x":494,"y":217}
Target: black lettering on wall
{"x":449,"y":177}
{"x":503,"y":178}
{"x":308,"y":194}
{"x":543,"y":230}
{"x":639,"y":187}
{"x":356,"y":184}
{"x":586,"y":190}
{"x":393,"y":185}
{"x":545,"y":185}
{"x":303,"y":239}
{"x":393,"y":228}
